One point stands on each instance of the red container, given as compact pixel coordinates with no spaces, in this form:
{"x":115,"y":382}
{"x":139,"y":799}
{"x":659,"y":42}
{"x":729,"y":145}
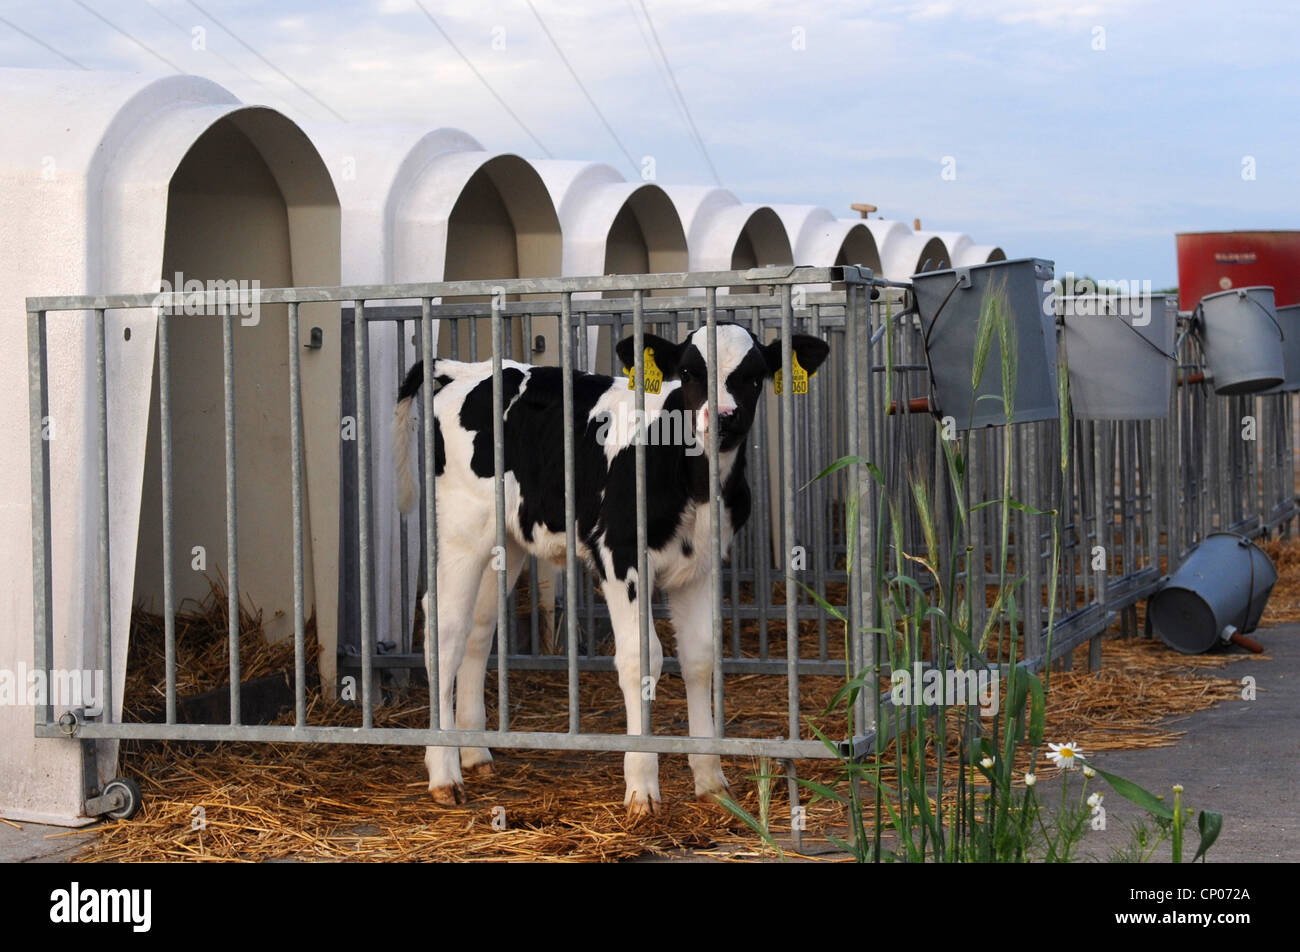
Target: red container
{"x":1213,"y":261}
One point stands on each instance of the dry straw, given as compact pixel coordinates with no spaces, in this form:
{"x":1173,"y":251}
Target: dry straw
{"x":259,"y":802}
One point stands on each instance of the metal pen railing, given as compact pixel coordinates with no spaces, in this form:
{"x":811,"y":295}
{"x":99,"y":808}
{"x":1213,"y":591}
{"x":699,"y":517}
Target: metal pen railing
{"x":372,"y":306}
{"x":1144,"y":492}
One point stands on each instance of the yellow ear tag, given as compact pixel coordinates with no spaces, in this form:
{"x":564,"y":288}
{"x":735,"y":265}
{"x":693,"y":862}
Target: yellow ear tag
{"x":800,"y":377}
{"x":654,"y":377}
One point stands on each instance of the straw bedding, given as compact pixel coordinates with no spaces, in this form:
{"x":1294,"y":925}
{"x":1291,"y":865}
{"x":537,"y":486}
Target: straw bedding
{"x":1284,"y":603}
{"x":354,"y":802}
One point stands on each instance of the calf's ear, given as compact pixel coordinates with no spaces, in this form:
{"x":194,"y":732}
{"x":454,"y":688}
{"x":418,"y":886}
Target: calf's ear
{"x":667,"y":354}
{"x":810,"y":351}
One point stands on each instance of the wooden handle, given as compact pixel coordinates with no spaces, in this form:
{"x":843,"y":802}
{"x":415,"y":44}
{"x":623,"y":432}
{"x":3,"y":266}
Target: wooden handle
{"x":915,"y":405}
{"x":1250,"y":644}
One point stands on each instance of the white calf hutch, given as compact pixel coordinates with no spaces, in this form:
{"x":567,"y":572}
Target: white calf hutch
{"x":110,"y":182}
{"x":251,"y":432}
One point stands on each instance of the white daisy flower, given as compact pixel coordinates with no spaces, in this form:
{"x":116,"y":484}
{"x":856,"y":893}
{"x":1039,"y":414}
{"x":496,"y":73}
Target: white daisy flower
{"x":1094,"y":800}
{"x":1089,"y":772}
{"x":1030,"y":780}
{"x":1065,"y":756}
{"x":987,"y":763}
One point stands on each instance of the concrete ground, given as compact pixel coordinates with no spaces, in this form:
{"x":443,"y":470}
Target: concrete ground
{"x":36,"y":843}
{"x":1241,"y":759}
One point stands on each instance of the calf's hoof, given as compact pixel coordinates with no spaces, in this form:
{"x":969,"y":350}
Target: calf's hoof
{"x":483,"y":771}
{"x":448,"y":796}
{"x":713,"y":792}
{"x":640,"y":806}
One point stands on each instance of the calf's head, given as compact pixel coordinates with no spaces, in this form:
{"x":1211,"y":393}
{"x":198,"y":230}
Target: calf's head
{"x":743,"y":364}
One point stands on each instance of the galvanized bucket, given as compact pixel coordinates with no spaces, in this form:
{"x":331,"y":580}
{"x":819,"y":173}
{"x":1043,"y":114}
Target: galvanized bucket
{"x":1120,"y":352}
{"x":949,"y":302}
{"x":1218,"y":595}
{"x":1289,"y":318}
{"x":1243,"y":340}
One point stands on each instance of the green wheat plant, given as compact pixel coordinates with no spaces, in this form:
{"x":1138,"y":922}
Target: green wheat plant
{"x":912,"y":799}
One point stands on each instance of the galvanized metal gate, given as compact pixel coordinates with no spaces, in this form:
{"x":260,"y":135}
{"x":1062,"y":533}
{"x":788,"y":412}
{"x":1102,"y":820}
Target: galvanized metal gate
{"x":1144,"y":491}
{"x":372,"y":308}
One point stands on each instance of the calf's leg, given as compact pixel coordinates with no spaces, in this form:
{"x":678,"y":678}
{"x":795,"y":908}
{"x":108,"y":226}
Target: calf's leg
{"x":640,"y":770}
{"x":692,"y":613}
{"x":459,"y":577}
{"x":470,"y":714}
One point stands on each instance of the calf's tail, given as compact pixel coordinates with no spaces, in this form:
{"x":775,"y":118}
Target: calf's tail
{"x":407,"y":491}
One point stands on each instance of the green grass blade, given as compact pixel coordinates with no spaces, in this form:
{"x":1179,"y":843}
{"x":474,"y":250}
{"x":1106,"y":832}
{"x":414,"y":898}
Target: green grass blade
{"x":1209,"y":825}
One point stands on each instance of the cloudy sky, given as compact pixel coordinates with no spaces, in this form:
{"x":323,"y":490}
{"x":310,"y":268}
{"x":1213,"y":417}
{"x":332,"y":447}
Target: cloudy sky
{"x":1088,"y":133}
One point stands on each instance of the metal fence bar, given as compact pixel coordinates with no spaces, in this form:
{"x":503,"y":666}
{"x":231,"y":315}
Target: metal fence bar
{"x":762,"y":539}
{"x":101,"y":443}
{"x":787,"y":507}
{"x":857,"y":376}
{"x":361,"y":361}
{"x":1031,"y":547}
{"x":168,"y":511}
{"x":570,"y":515}
{"x":39,"y":422}
{"x":407,"y":642}
{"x":1129,"y":502}
{"x":499,"y":497}
{"x":403,"y":568}
{"x":413,"y":737}
{"x":430,"y":513}
{"x":820,"y":536}
{"x":715,"y":505}
{"x":232,"y":528}
{"x":295,"y":475}
{"x":754,"y":278}
{"x":860,"y":539}
{"x":535,"y":568}
{"x":869,"y":398}
{"x":1102,"y":475}
{"x":643,"y":582}
{"x":1151,"y":490}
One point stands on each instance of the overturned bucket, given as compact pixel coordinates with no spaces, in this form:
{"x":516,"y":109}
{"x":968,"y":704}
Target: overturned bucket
{"x":1120,"y":352}
{"x":1243,"y":340}
{"x":949,"y":303}
{"x":1218,"y":595}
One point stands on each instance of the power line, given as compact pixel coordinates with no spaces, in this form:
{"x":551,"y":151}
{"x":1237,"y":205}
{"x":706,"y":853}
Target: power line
{"x":216,"y":53}
{"x":567,"y":65}
{"x":659,"y":67}
{"x":486,"y":85}
{"x":103,"y":19}
{"x":297,"y":85}
{"x":694,"y":131}
{"x":38,"y":41}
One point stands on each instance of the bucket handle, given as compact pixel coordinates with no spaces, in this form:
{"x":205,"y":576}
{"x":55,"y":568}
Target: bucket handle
{"x":1245,"y":543}
{"x":963,"y":280}
{"x":1196,"y":323}
{"x":1150,"y":343}
{"x":1281,"y":335}
{"x":1198,"y":314}
{"x":1142,"y":337}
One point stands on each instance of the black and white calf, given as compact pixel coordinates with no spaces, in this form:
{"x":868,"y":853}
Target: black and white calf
{"x":680,"y":516}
